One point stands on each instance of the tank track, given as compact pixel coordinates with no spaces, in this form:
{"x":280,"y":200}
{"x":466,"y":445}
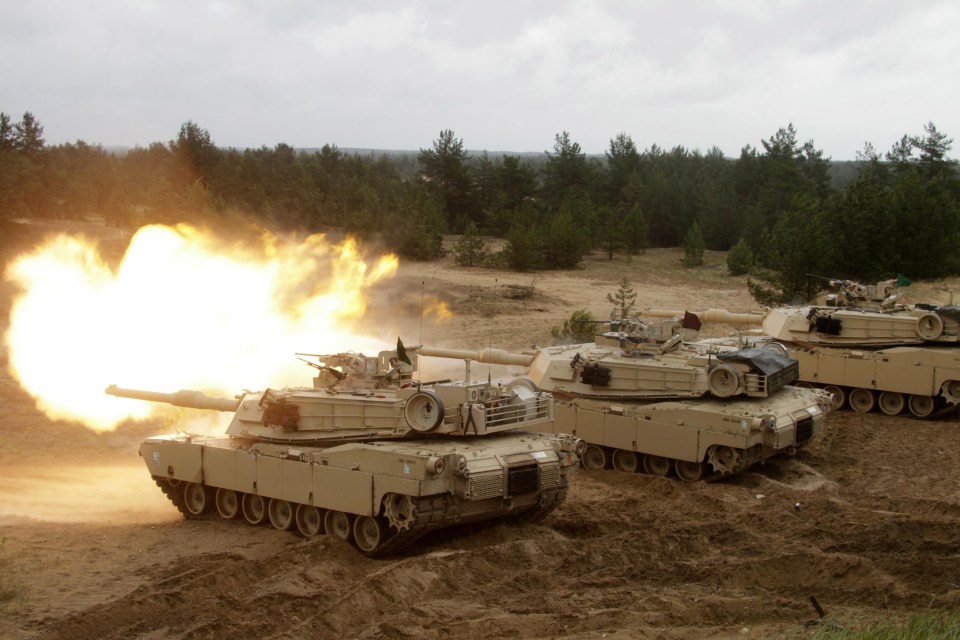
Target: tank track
{"x":434,"y":512}
{"x":431,"y":513}
{"x":174,"y":492}
{"x":551,"y":500}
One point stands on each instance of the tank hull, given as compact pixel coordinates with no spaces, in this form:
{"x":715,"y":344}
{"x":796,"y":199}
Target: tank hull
{"x":924,"y":381}
{"x":380,"y":496}
{"x":920,"y":380}
{"x":706,"y":437}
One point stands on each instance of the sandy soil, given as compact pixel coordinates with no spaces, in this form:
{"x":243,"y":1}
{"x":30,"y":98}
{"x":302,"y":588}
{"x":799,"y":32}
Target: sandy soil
{"x":92,"y":550}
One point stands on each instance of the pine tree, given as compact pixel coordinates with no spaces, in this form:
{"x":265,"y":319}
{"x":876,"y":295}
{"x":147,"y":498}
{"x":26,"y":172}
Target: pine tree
{"x":740,"y":258}
{"x":624,"y":299}
{"x":470,"y":250}
{"x":693,"y":246}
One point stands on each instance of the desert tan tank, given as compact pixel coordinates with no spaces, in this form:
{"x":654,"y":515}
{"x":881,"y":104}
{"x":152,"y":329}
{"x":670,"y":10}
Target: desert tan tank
{"x":661,"y":407}
{"x":844,"y":351}
{"x":367,"y":454}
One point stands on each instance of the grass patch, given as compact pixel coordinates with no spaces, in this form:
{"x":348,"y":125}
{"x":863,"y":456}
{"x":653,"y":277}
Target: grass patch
{"x":918,"y":627}
{"x":517,"y":291}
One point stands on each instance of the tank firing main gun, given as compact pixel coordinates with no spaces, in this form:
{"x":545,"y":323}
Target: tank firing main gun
{"x":378,"y":468}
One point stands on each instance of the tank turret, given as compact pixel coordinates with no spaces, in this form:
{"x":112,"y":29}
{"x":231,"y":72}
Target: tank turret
{"x":619,"y":367}
{"x":367,"y":454}
{"x":863,"y":326}
{"x":849,"y":326}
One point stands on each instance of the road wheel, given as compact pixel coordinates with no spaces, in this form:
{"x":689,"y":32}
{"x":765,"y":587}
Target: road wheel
{"x":196,"y":499}
{"x":254,"y":508}
{"x":309,"y":520}
{"x":891,"y":402}
{"x":656,"y":465}
{"x":339,"y":524}
{"x":594,"y":458}
{"x":627,"y":461}
{"x":369,"y":533}
{"x":228,"y":504}
{"x":862,"y":400}
{"x":689,"y":471}
{"x":921,"y":406}
{"x":281,"y":514}
{"x":839,"y":396}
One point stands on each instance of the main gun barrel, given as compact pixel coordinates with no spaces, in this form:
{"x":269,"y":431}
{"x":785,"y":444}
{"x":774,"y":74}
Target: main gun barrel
{"x":487,"y":356}
{"x":184,"y":398}
{"x":708,"y":315}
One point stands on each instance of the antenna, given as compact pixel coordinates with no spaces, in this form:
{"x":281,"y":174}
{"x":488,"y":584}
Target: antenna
{"x":422,"y":283}
{"x":419,"y":374}
{"x":493,"y":312}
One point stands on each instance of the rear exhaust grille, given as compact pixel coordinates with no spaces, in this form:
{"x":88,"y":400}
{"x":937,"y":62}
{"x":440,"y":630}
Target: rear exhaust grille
{"x":804,"y":430}
{"x":523,"y":479}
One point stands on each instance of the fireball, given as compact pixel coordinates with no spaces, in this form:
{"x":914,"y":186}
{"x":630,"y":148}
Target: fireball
{"x":182,"y":310}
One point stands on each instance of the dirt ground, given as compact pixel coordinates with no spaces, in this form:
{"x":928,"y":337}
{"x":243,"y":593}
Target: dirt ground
{"x":92,"y":550}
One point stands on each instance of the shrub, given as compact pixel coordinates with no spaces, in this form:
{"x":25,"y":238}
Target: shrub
{"x":520,"y":251}
{"x":470,"y":250}
{"x":693,"y":246}
{"x":579,"y":327}
{"x":740,"y":258}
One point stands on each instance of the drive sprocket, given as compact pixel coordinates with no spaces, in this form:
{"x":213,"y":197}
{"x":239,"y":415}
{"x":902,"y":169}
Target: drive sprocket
{"x":400,"y":511}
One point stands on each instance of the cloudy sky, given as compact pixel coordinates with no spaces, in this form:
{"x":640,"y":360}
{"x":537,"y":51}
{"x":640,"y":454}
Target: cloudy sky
{"x":503,"y":76}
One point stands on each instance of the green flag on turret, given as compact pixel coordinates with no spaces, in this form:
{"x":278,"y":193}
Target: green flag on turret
{"x":402,"y":353}
{"x":902,"y":280}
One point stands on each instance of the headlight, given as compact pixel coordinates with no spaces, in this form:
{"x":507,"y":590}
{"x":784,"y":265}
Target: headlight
{"x":436,"y":465}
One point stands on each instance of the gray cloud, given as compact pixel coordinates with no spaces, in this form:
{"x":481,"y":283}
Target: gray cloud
{"x":501,"y":75}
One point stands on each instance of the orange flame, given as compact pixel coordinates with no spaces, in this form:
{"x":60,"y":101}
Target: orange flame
{"x":438,"y":309}
{"x":183,"y":310}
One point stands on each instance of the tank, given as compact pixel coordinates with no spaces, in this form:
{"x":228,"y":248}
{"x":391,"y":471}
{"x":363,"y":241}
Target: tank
{"x":645,"y":401}
{"x":891,"y":357}
{"x":366,"y":454}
